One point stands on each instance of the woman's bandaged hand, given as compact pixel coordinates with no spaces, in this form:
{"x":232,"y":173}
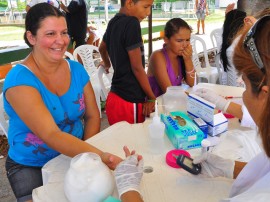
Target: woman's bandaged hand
{"x":128,"y":174}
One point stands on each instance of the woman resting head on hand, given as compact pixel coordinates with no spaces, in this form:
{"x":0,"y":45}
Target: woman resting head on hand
{"x":50,"y":102}
{"x":172,"y":65}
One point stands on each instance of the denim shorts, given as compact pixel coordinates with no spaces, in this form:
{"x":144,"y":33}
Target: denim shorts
{"x":200,"y":14}
{"x":23,"y":179}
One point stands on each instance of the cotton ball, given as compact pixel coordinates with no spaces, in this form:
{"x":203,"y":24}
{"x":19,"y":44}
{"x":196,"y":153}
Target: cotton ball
{"x":88,"y":179}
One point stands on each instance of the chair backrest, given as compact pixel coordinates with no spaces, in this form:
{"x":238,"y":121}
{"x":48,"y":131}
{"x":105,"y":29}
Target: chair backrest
{"x":209,"y":73}
{"x":3,"y":122}
{"x":105,"y":80}
{"x":216,"y":38}
{"x":90,"y":57}
{"x":195,"y":41}
{"x":69,"y":55}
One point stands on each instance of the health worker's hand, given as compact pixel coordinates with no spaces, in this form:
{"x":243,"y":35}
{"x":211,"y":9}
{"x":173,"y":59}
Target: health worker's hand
{"x":215,"y":166}
{"x":220,"y":102}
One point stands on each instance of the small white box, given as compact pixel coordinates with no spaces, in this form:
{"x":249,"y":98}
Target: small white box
{"x":219,"y":125}
{"x":200,"y":108}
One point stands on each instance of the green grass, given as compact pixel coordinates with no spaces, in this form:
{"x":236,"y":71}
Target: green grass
{"x":9,"y":33}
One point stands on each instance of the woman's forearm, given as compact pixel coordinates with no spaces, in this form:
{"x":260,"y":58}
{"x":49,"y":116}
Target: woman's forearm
{"x":235,"y":110}
{"x":131,"y":196}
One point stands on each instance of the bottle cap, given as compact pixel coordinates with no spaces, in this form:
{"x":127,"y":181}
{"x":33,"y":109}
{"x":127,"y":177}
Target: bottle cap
{"x":205,"y":143}
{"x":156,"y":118}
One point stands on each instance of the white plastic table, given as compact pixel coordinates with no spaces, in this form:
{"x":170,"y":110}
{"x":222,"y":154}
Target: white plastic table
{"x":164,"y":184}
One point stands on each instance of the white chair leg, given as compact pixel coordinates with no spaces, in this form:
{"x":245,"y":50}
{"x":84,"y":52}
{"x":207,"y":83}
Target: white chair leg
{"x":3,"y":122}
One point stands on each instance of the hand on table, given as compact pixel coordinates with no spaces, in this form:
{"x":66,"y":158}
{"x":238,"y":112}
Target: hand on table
{"x":128,"y":173}
{"x":220,"y":102}
{"x":111,"y":160}
{"x":215,"y":166}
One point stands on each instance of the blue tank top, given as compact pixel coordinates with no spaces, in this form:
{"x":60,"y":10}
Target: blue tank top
{"x":67,"y":110}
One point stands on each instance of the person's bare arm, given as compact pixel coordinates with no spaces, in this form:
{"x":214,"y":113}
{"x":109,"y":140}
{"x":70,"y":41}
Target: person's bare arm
{"x":28,"y":104}
{"x":235,"y":110}
{"x":27,"y":8}
{"x":104,"y":55}
{"x":91,"y":116}
{"x":196,"y":4}
{"x":157,"y":65}
{"x":190,"y":70}
{"x":131,"y":196}
{"x":139,"y":72}
{"x":64,"y":7}
{"x":206,"y":8}
{"x":238,"y":167}
{"x":229,"y":8}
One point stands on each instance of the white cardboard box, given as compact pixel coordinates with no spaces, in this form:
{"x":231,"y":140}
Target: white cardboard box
{"x":198,"y":107}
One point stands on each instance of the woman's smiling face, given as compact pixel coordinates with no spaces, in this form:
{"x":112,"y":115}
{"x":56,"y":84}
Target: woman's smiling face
{"x":52,"y":38}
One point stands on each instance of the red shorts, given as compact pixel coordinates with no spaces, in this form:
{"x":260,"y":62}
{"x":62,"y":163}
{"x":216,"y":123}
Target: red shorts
{"x":118,"y":109}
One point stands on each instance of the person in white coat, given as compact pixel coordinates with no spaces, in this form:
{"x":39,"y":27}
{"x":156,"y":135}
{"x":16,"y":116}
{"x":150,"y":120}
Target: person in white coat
{"x":252,"y":60}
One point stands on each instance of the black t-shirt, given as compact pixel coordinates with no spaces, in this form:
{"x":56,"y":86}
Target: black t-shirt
{"x":123,"y":34}
{"x":77,"y":19}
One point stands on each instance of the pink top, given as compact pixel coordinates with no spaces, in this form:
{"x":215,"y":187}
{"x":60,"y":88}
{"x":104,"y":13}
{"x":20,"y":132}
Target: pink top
{"x":175,"y":80}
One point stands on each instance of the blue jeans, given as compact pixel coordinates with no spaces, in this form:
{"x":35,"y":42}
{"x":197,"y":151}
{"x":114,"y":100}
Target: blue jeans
{"x":200,"y":14}
{"x":23,"y":179}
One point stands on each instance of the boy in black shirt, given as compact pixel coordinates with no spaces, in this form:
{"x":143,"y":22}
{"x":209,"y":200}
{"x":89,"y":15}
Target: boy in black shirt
{"x":131,"y":97}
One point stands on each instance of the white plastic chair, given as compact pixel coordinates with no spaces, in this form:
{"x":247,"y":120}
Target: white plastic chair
{"x":216,"y":38}
{"x":105,"y":80}
{"x":69,"y":55}
{"x":3,"y":122}
{"x":90,"y":58}
{"x":209,"y":73}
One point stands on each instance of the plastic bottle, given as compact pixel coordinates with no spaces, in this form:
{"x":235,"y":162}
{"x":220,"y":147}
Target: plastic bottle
{"x":205,"y":145}
{"x":156,"y":133}
{"x":175,"y":99}
{"x":209,"y":142}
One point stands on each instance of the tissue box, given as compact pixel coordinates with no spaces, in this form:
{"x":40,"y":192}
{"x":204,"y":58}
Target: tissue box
{"x":182,"y":131}
{"x":201,"y":108}
{"x":202,"y":125}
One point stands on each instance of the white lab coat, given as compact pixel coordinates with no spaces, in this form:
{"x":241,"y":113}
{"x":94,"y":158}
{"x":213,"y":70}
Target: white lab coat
{"x":252,"y":184}
{"x":247,"y":120}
